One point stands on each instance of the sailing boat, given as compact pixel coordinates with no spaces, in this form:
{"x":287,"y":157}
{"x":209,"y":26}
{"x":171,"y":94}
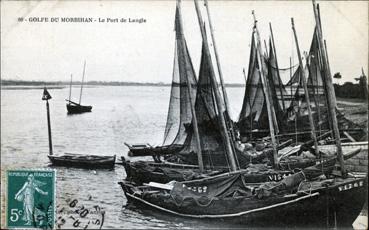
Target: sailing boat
{"x":254,"y":114}
{"x":203,"y":141}
{"x":184,"y":164}
{"x":181,"y":129}
{"x":289,"y":101}
{"x":182,"y":96}
{"x":73,"y":107}
{"x":296,"y":114}
{"x":297,"y":198}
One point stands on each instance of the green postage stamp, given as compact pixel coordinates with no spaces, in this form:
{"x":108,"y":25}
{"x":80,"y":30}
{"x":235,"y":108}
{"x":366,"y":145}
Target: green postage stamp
{"x":31,"y":198}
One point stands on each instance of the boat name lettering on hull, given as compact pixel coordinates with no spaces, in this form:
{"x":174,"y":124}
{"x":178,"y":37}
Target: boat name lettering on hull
{"x":198,"y":189}
{"x":350,"y":186}
{"x":278,"y":177}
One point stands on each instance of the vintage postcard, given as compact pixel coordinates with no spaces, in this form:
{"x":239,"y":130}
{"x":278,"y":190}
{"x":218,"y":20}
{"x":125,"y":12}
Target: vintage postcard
{"x":195,"y":114}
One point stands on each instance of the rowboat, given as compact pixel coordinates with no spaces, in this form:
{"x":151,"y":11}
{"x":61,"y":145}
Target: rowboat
{"x":83,"y":161}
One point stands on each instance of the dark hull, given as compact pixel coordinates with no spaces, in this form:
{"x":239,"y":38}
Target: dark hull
{"x":341,"y":202}
{"x":83,"y":161}
{"x":164,"y":173}
{"x":145,"y":172}
{"x":76,"y":109}
{"x":146,"y":150}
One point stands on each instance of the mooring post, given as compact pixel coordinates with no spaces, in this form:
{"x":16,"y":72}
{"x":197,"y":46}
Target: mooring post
{"x":46,"y":97}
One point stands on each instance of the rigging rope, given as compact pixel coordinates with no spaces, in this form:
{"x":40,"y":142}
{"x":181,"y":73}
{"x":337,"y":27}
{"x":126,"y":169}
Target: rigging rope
{"x":284,"y":69}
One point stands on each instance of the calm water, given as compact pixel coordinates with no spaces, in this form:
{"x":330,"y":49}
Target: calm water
{"x":120,"y":114}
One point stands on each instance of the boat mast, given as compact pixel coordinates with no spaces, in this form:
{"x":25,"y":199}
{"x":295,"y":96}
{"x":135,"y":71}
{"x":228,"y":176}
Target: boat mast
{"x":250,"y":106}
{"x":266,"y":93}
{"x":225,"y":97}
{"x":276,"y":63}
{"x":330,"y":91}
{"x":266,"y":49}
{"x":226,"y":139}
{"x":83,"y":78}
{"x":70,"y":88}
{"x":194,"y":118}
{"x":304,"y":83}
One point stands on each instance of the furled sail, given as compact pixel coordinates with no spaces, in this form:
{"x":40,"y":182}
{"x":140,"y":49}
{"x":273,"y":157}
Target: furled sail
{"x":297,"y":111}
{"x":213,"y":148}
{"x":253,"y":113}
{"x":316,"y":86}
{"x":179,"y":112}
{"x":278,"y":90}
{"x":318,"y":100}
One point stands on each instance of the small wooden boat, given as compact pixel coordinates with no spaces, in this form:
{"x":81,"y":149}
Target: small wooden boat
{"x":73,"y":107}
{"x":83,"y":161}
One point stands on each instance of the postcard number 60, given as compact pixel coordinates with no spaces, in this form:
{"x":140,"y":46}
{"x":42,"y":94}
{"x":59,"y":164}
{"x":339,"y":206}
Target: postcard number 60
{"x":14,"y":214}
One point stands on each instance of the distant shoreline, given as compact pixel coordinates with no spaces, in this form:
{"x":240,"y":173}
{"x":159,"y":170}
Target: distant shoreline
{"x":62,"y":84}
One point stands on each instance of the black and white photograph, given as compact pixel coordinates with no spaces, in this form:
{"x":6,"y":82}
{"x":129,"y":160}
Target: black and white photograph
{"x":184,"y":114}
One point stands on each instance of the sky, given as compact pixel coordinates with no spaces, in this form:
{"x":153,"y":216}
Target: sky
{"x":143,"y":52}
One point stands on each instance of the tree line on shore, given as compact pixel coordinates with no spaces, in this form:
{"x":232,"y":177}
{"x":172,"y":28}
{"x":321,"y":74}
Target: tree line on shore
{"x":347,"y":90}
{"x":352,"y":90}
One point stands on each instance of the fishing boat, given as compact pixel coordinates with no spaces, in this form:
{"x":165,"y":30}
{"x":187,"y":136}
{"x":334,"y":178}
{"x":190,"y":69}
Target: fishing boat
{"x":192,"y":134}
{"x":312,"y":195}
{"x":290,"y":107}
{"x":71,"y":159}
{"x":140,"y":172}
{"x":83,"y":161}
{"x":294,"y":200}
{"x":182,"y":98}
{"x":197,"y":125}
{"x":182,"y":162}
{"x":73,"y":107}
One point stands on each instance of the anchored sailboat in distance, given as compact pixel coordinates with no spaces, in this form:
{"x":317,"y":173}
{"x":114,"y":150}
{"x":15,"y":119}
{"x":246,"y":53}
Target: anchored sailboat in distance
{"x":72,"y":159}
{"x":73,"y":107}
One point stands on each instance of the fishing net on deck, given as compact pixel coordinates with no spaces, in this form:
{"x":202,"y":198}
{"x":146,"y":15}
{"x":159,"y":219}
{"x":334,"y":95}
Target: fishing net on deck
{"x":226,"y":189}
{"x":203,"y":191}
